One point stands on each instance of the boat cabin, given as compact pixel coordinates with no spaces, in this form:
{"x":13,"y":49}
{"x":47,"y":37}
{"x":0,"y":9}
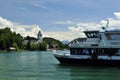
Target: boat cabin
{"x":100,"y":43}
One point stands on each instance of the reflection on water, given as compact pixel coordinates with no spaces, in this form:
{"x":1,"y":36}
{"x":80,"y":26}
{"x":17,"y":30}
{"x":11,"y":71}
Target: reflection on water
{"x":93,"y":73}
{"x":43,"y":66}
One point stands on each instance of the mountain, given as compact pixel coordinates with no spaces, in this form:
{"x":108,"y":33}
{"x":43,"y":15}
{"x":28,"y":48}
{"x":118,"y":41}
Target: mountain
{"x":65,"y":42}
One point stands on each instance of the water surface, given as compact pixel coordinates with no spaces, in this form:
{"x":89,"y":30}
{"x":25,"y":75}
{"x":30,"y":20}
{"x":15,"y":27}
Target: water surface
{"x":39,"y":65}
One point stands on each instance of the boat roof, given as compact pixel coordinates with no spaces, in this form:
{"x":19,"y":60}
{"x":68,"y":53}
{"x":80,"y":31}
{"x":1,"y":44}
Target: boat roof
{"x":106,"y":31}
{"x":91,"y":31}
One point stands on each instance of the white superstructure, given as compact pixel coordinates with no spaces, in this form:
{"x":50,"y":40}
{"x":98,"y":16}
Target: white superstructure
{"x":107,"y":39}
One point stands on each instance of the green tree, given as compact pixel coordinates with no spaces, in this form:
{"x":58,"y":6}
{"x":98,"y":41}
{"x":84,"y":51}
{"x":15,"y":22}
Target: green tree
{"x":16,"y":46}
{"x":34,"y":47}
{"x":42,"y":46}
{"x":2,"y":44}
{"x":8,"y":38}
{"x":53,"y":41}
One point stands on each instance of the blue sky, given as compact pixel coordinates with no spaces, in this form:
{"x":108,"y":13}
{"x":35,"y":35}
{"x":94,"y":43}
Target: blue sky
{"x":57,"y":15}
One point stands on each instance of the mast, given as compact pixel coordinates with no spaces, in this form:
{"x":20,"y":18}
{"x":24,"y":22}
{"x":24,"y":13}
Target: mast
{"x":105,"y":28}
{"x":107,"y":24}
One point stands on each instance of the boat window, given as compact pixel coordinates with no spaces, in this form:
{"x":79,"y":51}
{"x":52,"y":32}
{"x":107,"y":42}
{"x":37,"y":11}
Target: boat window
{"x":91,"y":51}
{"x":92,"y":35}
{"x":113,"y":36}
{"x":74,"y":51}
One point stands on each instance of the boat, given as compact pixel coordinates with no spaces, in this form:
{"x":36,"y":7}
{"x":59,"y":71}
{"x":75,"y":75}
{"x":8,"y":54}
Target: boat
{"x":99,"y":48}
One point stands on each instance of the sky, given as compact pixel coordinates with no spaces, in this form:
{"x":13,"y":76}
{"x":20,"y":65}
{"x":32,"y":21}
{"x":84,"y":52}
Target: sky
{"x":60,"y":19}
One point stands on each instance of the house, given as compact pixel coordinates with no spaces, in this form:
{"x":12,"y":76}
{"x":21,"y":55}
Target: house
{"x":12,"y":49}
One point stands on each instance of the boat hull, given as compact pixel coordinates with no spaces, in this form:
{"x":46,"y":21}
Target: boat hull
{"x":88,"y":62}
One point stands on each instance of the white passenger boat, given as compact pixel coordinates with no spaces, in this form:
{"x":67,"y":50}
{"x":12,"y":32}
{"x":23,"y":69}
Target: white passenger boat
{"x":99,"y":48}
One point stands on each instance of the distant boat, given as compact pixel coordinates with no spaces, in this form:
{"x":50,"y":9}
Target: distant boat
{"x":99,"y":48}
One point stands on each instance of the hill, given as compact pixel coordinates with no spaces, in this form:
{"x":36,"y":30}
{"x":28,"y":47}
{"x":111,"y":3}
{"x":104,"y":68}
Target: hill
{"x":79,"y":39}
{"x":53,"y":43}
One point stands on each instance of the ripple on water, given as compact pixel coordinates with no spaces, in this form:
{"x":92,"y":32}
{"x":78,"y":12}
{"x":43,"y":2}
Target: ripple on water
{"x":43,"y":66}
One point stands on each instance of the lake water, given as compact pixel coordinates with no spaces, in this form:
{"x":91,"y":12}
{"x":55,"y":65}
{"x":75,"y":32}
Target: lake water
{"x":38,"y":65}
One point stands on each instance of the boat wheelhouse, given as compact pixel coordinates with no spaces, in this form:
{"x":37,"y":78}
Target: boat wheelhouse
{"x":99,"y":48}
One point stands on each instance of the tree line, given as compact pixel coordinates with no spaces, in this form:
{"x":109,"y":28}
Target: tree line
{"x":12,"y":39}
{"x":9,"y":38}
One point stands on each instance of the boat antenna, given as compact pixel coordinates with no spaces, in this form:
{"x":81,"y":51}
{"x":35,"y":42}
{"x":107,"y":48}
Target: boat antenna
{"x":107,"y":24}
{"x":105,"y":28}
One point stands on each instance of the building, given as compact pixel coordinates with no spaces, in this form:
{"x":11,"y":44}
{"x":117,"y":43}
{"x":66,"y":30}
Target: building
{"x":33,"y":40}
{"x":39,"y":36}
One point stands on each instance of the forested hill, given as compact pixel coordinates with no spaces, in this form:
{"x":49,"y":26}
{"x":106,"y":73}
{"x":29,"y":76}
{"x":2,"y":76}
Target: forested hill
{"x":52,"y":41}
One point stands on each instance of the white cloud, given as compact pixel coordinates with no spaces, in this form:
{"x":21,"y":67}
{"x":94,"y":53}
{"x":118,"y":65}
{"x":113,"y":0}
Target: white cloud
{"x":18,"y":28}
{"x":74,"y":31}
{"x":80,"y":27}
{"x":5,"y":22}
{"x":62,"y":35}
{"x":33,"y":30}
{"x":117,"y":14}
{"x":64,"y":22}
{"x":114,"y":23}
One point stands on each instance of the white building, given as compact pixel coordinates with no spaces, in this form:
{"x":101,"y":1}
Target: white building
{"x":33,"y":40}
{"x":39,"y":36}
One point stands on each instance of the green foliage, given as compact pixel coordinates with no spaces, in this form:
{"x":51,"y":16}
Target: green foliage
{"x":28,"y":46}
{"x":37,"y":46}
{"x":52,"y":41}
{"x":2,"y":44}
{"x":16,"y":46}
{"x":9,"y":38}
{"x":34,"y":47}
{"x":42,"y":46}
{"x":66,"y":46}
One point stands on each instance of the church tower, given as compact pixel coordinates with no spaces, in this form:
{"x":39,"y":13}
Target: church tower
{"x":39,"y":36}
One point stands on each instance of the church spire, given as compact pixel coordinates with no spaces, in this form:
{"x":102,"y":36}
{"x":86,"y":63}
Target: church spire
{"x":39,"y":36}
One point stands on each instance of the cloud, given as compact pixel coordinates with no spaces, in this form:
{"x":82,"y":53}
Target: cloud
{"x":80,"y":27}
{"x":24,"y":30}
{"x":117,"y":14}
{"x":114,"y":23}
{"x":75,"y":29}
{"x":68,"y":35}
{"x":5,"y":22}
{"x":32,"y":30}
{"x":39,"y":6}
{"x":68,"y":22}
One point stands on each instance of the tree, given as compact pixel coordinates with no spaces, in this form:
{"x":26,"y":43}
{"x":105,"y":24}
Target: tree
{"x":34,"y":47}
{"x":8,"y":38}
{"x":52,"y":41}
{"x":2,"y":44}
{"x":16,"y":46}
{"x":42,"y":46}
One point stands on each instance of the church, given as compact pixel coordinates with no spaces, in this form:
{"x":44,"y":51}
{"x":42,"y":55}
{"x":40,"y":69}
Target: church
{"x":33,"y":40}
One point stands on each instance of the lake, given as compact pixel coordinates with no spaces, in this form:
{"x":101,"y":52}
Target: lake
{"x":42,"y":65}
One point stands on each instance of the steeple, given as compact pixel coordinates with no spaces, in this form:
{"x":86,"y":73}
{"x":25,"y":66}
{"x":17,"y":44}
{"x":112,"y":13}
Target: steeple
{"x":39,"y":36}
